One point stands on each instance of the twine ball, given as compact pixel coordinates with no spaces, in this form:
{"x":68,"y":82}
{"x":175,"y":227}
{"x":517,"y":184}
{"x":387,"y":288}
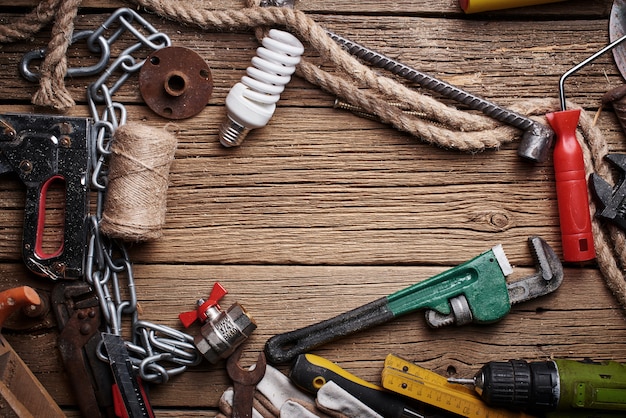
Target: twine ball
{"x":139,"y":166}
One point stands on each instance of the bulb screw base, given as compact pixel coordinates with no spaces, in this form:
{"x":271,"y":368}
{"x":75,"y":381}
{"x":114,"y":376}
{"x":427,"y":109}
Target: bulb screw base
{"x":232,"y":133}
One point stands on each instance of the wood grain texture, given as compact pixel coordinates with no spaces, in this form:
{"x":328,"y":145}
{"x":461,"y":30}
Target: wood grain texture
{"x":322,"y":211}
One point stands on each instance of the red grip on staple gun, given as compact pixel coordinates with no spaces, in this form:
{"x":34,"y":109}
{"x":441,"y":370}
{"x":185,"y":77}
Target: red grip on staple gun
{"x":41,"y":220}
{"x":571,"y":188}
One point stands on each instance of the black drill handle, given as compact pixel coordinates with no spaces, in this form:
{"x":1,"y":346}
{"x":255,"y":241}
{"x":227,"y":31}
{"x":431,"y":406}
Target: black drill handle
{"x":286,"y":347}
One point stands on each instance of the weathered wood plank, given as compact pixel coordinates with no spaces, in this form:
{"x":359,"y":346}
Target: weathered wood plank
{"x":319,"y":199}
{"x":322,"y":211}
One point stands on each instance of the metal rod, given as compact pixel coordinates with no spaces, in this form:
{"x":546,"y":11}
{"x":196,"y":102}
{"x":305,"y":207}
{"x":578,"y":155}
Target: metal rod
{"x":581,"y":65}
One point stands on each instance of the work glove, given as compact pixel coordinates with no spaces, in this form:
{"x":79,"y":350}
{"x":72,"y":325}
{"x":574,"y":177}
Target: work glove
{"x":277,"y":397}
{"x":337,"y":402}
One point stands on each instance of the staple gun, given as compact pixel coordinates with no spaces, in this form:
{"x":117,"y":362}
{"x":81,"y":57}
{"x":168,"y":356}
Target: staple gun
{"x":44,"y":151}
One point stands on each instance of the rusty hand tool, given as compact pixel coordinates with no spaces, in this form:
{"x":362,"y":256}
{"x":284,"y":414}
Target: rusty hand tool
{"x":22,"y":394}
{"x":244,"y":382}
{"x":475,"y":291}
{"x":78,"y":315}
{"x":537,"y":138}
{"x":47,"y":151}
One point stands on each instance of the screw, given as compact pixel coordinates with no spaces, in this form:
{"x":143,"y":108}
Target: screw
{"x":537,"y":138}
{"x":359,"y":111}
{"x":66,"y":141}
{"x":26,"y":166}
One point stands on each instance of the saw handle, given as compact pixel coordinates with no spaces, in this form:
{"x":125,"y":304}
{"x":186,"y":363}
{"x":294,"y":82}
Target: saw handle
{"x":16,"y":298}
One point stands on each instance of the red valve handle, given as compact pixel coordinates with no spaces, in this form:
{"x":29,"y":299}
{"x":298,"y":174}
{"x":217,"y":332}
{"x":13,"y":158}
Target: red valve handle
{"x":217,"y":293}
{"x":571,"y":188}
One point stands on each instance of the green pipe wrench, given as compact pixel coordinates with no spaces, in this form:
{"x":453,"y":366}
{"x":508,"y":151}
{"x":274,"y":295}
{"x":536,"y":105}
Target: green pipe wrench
{"x":473,"y":292}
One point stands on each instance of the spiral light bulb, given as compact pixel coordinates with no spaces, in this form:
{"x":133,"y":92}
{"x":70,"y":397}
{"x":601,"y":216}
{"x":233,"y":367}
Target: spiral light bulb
{"x":251,"y":103}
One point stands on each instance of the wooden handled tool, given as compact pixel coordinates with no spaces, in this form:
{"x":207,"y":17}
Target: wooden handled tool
{"x":20,"y":390}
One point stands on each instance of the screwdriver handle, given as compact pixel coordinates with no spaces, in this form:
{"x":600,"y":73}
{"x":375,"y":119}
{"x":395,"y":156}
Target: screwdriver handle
{"x":571,"y":188}
{"x":311,"y":372}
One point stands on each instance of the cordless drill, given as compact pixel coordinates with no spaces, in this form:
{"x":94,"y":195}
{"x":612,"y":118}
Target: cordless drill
{"x":556,"y":385}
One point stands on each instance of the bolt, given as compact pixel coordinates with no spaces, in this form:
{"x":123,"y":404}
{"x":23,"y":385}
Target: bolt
{"x":26,"y":166}
{"x":85,"y":329}
{"x":66,"y":141}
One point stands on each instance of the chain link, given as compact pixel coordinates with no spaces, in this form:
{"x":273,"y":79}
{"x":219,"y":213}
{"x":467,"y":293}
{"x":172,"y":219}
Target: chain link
{"x":157,"y":351}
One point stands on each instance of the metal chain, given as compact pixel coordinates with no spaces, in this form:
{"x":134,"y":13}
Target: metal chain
{"x":159,"y":352}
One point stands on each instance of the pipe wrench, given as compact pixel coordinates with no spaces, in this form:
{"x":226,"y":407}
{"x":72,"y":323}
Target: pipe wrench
{"x":45,"y":151}
{"x":473,"y":292}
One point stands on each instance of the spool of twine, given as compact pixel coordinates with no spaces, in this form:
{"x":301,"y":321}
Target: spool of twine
{"x":139,"y":165}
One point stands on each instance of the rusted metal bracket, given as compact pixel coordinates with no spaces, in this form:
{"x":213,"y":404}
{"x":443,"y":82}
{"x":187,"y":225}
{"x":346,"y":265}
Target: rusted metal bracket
{"x":78,"y":314}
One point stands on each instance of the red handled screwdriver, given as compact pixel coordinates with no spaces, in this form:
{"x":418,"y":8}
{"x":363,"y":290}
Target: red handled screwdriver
{"x":571,"y":188}
{"x":569,"y":171}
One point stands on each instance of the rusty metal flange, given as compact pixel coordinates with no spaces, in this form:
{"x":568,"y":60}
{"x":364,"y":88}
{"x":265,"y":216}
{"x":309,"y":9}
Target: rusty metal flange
{"x":175,"y":82}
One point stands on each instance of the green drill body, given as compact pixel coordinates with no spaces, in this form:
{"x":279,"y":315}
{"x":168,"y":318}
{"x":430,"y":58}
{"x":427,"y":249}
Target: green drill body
{"x":556,"y":388}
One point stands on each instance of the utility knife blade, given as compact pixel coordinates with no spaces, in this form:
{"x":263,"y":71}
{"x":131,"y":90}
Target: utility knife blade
{"x":133,"y":396}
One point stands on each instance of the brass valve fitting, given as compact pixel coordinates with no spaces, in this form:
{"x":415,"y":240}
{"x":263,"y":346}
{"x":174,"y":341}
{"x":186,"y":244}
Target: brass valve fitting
{"x":223,"y":331}
{"x":221,"y":335}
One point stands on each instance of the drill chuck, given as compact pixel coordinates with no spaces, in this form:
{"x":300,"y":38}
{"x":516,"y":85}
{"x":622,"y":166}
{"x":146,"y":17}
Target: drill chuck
{"x":557,"y":385}
{"x":519,"y":385}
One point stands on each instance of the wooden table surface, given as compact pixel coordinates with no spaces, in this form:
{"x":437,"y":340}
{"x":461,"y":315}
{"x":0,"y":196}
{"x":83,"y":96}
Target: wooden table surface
{"x":322,"y":211}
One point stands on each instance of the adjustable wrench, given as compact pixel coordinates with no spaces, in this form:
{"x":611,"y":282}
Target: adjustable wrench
{"x":475,"y":291}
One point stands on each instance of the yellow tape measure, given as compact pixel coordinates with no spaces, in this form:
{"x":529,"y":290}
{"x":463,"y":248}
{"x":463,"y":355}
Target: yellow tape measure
{"x":410,"y":380}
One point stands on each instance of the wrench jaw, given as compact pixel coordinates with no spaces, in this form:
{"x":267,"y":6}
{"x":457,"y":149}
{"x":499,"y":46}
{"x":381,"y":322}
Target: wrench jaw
{"x":611,"y":200}
{"x":244,"y":382}
{"x":547,"y":279}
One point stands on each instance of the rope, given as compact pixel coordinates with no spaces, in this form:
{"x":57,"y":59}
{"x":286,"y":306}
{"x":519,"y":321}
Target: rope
{"x":355,"y":83}
{"x":52,"y":91}
{"x":29,"y":24}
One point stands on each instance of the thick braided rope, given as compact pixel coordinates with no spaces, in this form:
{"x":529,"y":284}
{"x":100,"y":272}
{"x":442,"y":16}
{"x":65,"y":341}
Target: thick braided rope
{"x":52,"y":91}
{"x":29,"y":24}
{"x":358,"y":84}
